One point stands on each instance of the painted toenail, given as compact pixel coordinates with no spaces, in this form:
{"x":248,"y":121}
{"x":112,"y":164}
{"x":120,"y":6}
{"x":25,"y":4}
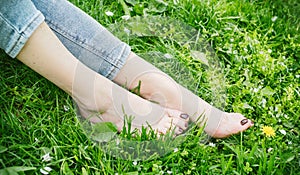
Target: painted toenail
{"x":184,"y":116}
{"x":244,"y":121}
{"x":186,"y":125}
{"x":180,"y":130}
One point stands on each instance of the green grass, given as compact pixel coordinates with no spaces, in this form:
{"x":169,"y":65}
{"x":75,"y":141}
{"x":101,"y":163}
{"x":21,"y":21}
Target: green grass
{"x":260,"y":58}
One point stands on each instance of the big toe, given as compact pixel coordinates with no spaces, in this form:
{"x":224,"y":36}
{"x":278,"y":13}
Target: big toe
{"x":242,"y":123}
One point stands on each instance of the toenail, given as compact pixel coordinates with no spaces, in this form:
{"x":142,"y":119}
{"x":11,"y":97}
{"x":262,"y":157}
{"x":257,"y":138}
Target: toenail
{"x":186,"y":125}
{"x":180,"y":130}
{"x":244,"y":121}
{"x":184,"y":116}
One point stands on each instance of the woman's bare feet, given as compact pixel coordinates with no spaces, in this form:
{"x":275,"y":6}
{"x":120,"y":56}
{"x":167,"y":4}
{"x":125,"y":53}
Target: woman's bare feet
{"x":100,"y":100}
{"x":159,"y":87}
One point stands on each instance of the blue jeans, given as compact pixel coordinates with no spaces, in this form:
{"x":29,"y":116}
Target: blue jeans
{"x":84,"y":37}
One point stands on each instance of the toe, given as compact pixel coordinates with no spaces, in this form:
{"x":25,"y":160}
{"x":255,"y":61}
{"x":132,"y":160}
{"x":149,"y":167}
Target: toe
{"x":178,"y":131}
{"x":176,"y":122}
{"x":242,"y":121}
{"x":162,"y":130}
{"x":179,"y":119}
{"x":246,"y":123}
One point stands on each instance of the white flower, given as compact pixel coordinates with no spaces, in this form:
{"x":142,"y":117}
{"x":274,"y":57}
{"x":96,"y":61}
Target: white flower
{"x":46,"y":157}
{"x":211,"y":144}
{"x":125,"y":17}
{"x":169,"y":172}
{"x":109,"y":13}
{"x":36,"y":140}
{"x":282,"y":131}
{"x":255,"y":90}
{"x":269,"y":51}
{"x":66,"y":108}
{"x":270,"y":149}
{"x":126,"y":30}
{"x":117,"y":141}
{"x":167,"y":55}
{"x":264,"y":102}
{"x":175,"y":150}
{"x":45,"y":170}
{"x":134,"y":163}
{"x":274,"y":18}
{"x":175,"y":2}
{"x":289,"y":142}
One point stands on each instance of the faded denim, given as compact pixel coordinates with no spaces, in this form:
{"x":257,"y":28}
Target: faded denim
{"x":84,"y":37}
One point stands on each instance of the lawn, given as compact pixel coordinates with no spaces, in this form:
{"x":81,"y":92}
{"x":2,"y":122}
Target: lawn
{"x":256,"y":48}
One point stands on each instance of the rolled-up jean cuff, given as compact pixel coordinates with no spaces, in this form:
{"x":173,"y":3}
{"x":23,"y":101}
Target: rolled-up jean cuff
{"x":120,"y":59}
{"x":19,"y":38}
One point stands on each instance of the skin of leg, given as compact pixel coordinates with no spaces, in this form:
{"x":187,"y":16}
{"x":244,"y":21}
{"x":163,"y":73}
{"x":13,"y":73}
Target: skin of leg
{"x":46,"y":55}
{"x":159,"y":87}
{"x":183,"y":99}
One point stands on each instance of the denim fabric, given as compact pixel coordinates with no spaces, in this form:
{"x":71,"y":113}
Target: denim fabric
{"x":18,"y":20}
{"x":84,"y":37}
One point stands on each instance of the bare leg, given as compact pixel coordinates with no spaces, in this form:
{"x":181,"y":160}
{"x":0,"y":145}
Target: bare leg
{"x":157,"y":86}
{"x":94,"y":93}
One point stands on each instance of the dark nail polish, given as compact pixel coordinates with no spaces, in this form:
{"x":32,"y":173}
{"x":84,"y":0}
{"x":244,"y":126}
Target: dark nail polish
{"x":186,"y":125}
{"x":244,"y":121}
{"x":184,"y":116}
{"x":180,"y":130}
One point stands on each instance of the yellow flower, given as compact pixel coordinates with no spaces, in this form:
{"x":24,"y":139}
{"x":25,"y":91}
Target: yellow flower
{"x":269,"y":131}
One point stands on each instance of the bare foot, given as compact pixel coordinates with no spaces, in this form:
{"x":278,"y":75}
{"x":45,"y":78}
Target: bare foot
{"x":100,"y":100}
{"x":159,"y":87}
{"x":228,"y":124}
